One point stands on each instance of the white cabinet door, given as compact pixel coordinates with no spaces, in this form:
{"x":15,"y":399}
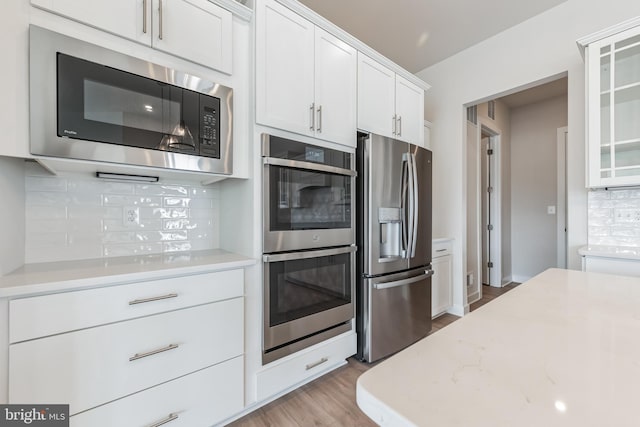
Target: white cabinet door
{"x":441,"y":297}
{"x":284,"y":69}
{"x":335,"y":89}
{"x":126,"y":18}
{"x":409,"y":111}
{"x":613,"y":84}
{"x":376,"y":97}
{"x":196,"y":30}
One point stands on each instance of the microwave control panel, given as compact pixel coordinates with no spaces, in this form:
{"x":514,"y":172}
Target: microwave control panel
{"x":210,"y":128}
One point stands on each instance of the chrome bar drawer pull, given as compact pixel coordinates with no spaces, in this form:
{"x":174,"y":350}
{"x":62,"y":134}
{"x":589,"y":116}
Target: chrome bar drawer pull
{"x":144,"y":16}
{"x":168,"y":419}
{"x":143,"y":300}
{"x":152,"y":352}
{"x":319,"y":362}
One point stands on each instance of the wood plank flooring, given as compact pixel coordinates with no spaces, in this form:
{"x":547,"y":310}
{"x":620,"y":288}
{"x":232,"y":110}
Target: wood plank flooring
{"x":331,"y":399}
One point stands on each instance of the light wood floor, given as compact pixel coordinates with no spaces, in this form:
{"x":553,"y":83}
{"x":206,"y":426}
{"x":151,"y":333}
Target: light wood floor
{"x":331,"y":399}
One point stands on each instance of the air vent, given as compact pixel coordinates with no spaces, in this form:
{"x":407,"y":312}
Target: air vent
{"x":472,"y":114}
{"x":491,"y":107}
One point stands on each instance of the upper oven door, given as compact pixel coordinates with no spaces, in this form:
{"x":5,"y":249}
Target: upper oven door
{"x":92,"y":103}
{"x":308,"y":204}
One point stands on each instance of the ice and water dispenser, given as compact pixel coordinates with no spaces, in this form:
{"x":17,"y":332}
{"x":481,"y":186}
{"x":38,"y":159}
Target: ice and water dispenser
{"x":390,"y":221}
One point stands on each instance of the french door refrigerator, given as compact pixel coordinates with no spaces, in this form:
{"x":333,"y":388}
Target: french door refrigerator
{"x":393,"y":234}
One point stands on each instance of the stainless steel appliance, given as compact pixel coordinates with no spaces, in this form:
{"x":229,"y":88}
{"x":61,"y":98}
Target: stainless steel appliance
{"x":394,"y":240}
{"x":309,"y":196}
{"x":308,"y":245}
{"x":308,"y":298}
{"x":92,"y":103}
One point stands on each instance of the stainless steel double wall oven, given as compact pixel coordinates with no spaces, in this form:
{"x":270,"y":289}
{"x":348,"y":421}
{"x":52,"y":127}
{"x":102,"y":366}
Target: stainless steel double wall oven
{"x":308,"y":244}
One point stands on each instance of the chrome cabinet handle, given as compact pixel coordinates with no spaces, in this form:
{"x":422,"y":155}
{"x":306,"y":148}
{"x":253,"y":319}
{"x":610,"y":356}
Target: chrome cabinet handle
{"x":158,"y":298}
{"x":168,"y":419}
{"x":313,"y":116}
{"x":152,"y":352}
{"x":160,"y":19}
{"x":319,"y":128}
{"x":318,"y":363}
{"x":144,"y":16}
{"x":393,"y":125}
{"x":399,"y":126}
{"x":440,"y":250}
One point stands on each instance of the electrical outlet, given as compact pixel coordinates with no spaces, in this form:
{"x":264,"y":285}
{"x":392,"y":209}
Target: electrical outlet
{"x":131,"y":216}
{"x":551,"y":210}
{"x":469,"y":279}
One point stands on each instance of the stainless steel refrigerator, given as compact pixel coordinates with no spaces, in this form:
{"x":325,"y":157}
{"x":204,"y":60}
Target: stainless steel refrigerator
{"x":393,"y":234}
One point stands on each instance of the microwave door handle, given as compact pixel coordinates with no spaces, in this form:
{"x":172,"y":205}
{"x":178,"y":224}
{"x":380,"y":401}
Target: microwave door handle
{"x":416,"y":196}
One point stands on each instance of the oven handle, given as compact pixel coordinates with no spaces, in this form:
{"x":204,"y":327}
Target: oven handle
{"x":307,"y":255}
{"x":307,"y":165}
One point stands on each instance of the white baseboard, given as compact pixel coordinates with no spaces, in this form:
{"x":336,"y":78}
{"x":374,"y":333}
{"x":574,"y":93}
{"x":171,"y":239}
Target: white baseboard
{"x":520,"y":279}
{"x":507,"y":280}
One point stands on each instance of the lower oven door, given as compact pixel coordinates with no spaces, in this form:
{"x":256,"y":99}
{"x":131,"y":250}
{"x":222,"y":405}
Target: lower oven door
{"x":306,"y":293}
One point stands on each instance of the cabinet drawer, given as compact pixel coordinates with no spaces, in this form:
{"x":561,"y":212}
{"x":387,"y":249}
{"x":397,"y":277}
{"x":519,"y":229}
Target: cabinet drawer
{"x":93,"y":366}
{"x":441,"y":248}
{"x":288,"y":372}
{"x":199,"y":399}
{"x":53,"y":314}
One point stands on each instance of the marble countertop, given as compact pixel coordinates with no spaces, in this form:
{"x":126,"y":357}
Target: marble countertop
{"x":49,"y":277}
{"x":561,"y":349}
{"x":624,"y":252}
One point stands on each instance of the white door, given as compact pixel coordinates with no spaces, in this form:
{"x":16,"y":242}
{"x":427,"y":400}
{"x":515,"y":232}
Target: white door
{"x":125,"y":18}
{"x":196,"y":30}
{"x":284,"y":69}
{"x":335,"y":89}
{"x":376,"y":97}
{"x":409,"y":111}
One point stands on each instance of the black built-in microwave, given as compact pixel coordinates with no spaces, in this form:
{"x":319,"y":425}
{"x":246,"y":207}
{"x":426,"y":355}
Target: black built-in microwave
{"x":91,"y":103}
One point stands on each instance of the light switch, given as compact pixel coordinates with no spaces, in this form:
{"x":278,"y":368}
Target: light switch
{"x":551,"y":210}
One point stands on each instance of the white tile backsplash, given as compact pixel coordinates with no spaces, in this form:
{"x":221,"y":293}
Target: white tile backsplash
{"x":78,"y":217}
{"x":614,"y":217}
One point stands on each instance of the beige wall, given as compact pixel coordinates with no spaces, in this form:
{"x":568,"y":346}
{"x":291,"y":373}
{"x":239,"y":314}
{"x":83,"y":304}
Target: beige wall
{"x":533,"y":179}
{"x":515,"y":59}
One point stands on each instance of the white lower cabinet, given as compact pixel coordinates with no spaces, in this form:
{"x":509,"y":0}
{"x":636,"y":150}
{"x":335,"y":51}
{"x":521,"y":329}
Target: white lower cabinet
{"x":130,"y":355}
{"x":441,"y":284}
{"x":200,"y":399}
{"x":285,"y":373}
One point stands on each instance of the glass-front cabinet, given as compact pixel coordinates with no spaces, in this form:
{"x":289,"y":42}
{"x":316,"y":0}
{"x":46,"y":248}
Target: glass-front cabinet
{"x":613,"y":107}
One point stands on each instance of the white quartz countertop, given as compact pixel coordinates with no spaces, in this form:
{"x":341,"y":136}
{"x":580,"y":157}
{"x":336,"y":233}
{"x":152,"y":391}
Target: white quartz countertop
{"x":624,"y":252}
{"x":559,"y":350}
{"x":69,"y":275}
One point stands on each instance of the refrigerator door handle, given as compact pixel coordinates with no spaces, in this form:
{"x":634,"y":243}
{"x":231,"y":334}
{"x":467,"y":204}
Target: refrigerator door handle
{"x":411,"y":218}
{"x":403,"y":282}
{"x":415,"y":203}
{"x":404,"y":189}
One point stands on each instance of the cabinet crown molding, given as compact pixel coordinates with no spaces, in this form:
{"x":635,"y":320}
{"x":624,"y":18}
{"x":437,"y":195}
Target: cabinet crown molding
{"x":338,"y":32}
{"x":583,"y":42}
{"x":235,"y":7}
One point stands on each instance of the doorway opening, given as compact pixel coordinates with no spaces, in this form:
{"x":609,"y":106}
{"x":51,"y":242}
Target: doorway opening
{"x":516,"y":186}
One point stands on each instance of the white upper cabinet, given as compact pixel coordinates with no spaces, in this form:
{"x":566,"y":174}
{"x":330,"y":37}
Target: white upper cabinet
{"x":389,"y":104}
{"x":409,"y":111}
{"x":376,"y":97}
{"x":196,"y":30}
{"x":613,"y":109}
{"x":284,"y":69}
{"x":335,"y":89}
{"x":305,"y":77}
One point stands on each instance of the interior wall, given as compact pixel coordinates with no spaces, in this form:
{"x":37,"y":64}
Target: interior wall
{"x":12,"y":218}
{"x":534,"y":185}
{"x":514,"y":59}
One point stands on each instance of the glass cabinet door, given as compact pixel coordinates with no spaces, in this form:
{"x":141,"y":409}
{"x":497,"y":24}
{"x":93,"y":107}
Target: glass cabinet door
{"x":614,"y":109}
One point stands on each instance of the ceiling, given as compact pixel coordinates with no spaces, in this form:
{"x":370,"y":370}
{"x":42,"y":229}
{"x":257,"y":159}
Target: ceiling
{"x":418,"y":33}
{"x":537,"y":93}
